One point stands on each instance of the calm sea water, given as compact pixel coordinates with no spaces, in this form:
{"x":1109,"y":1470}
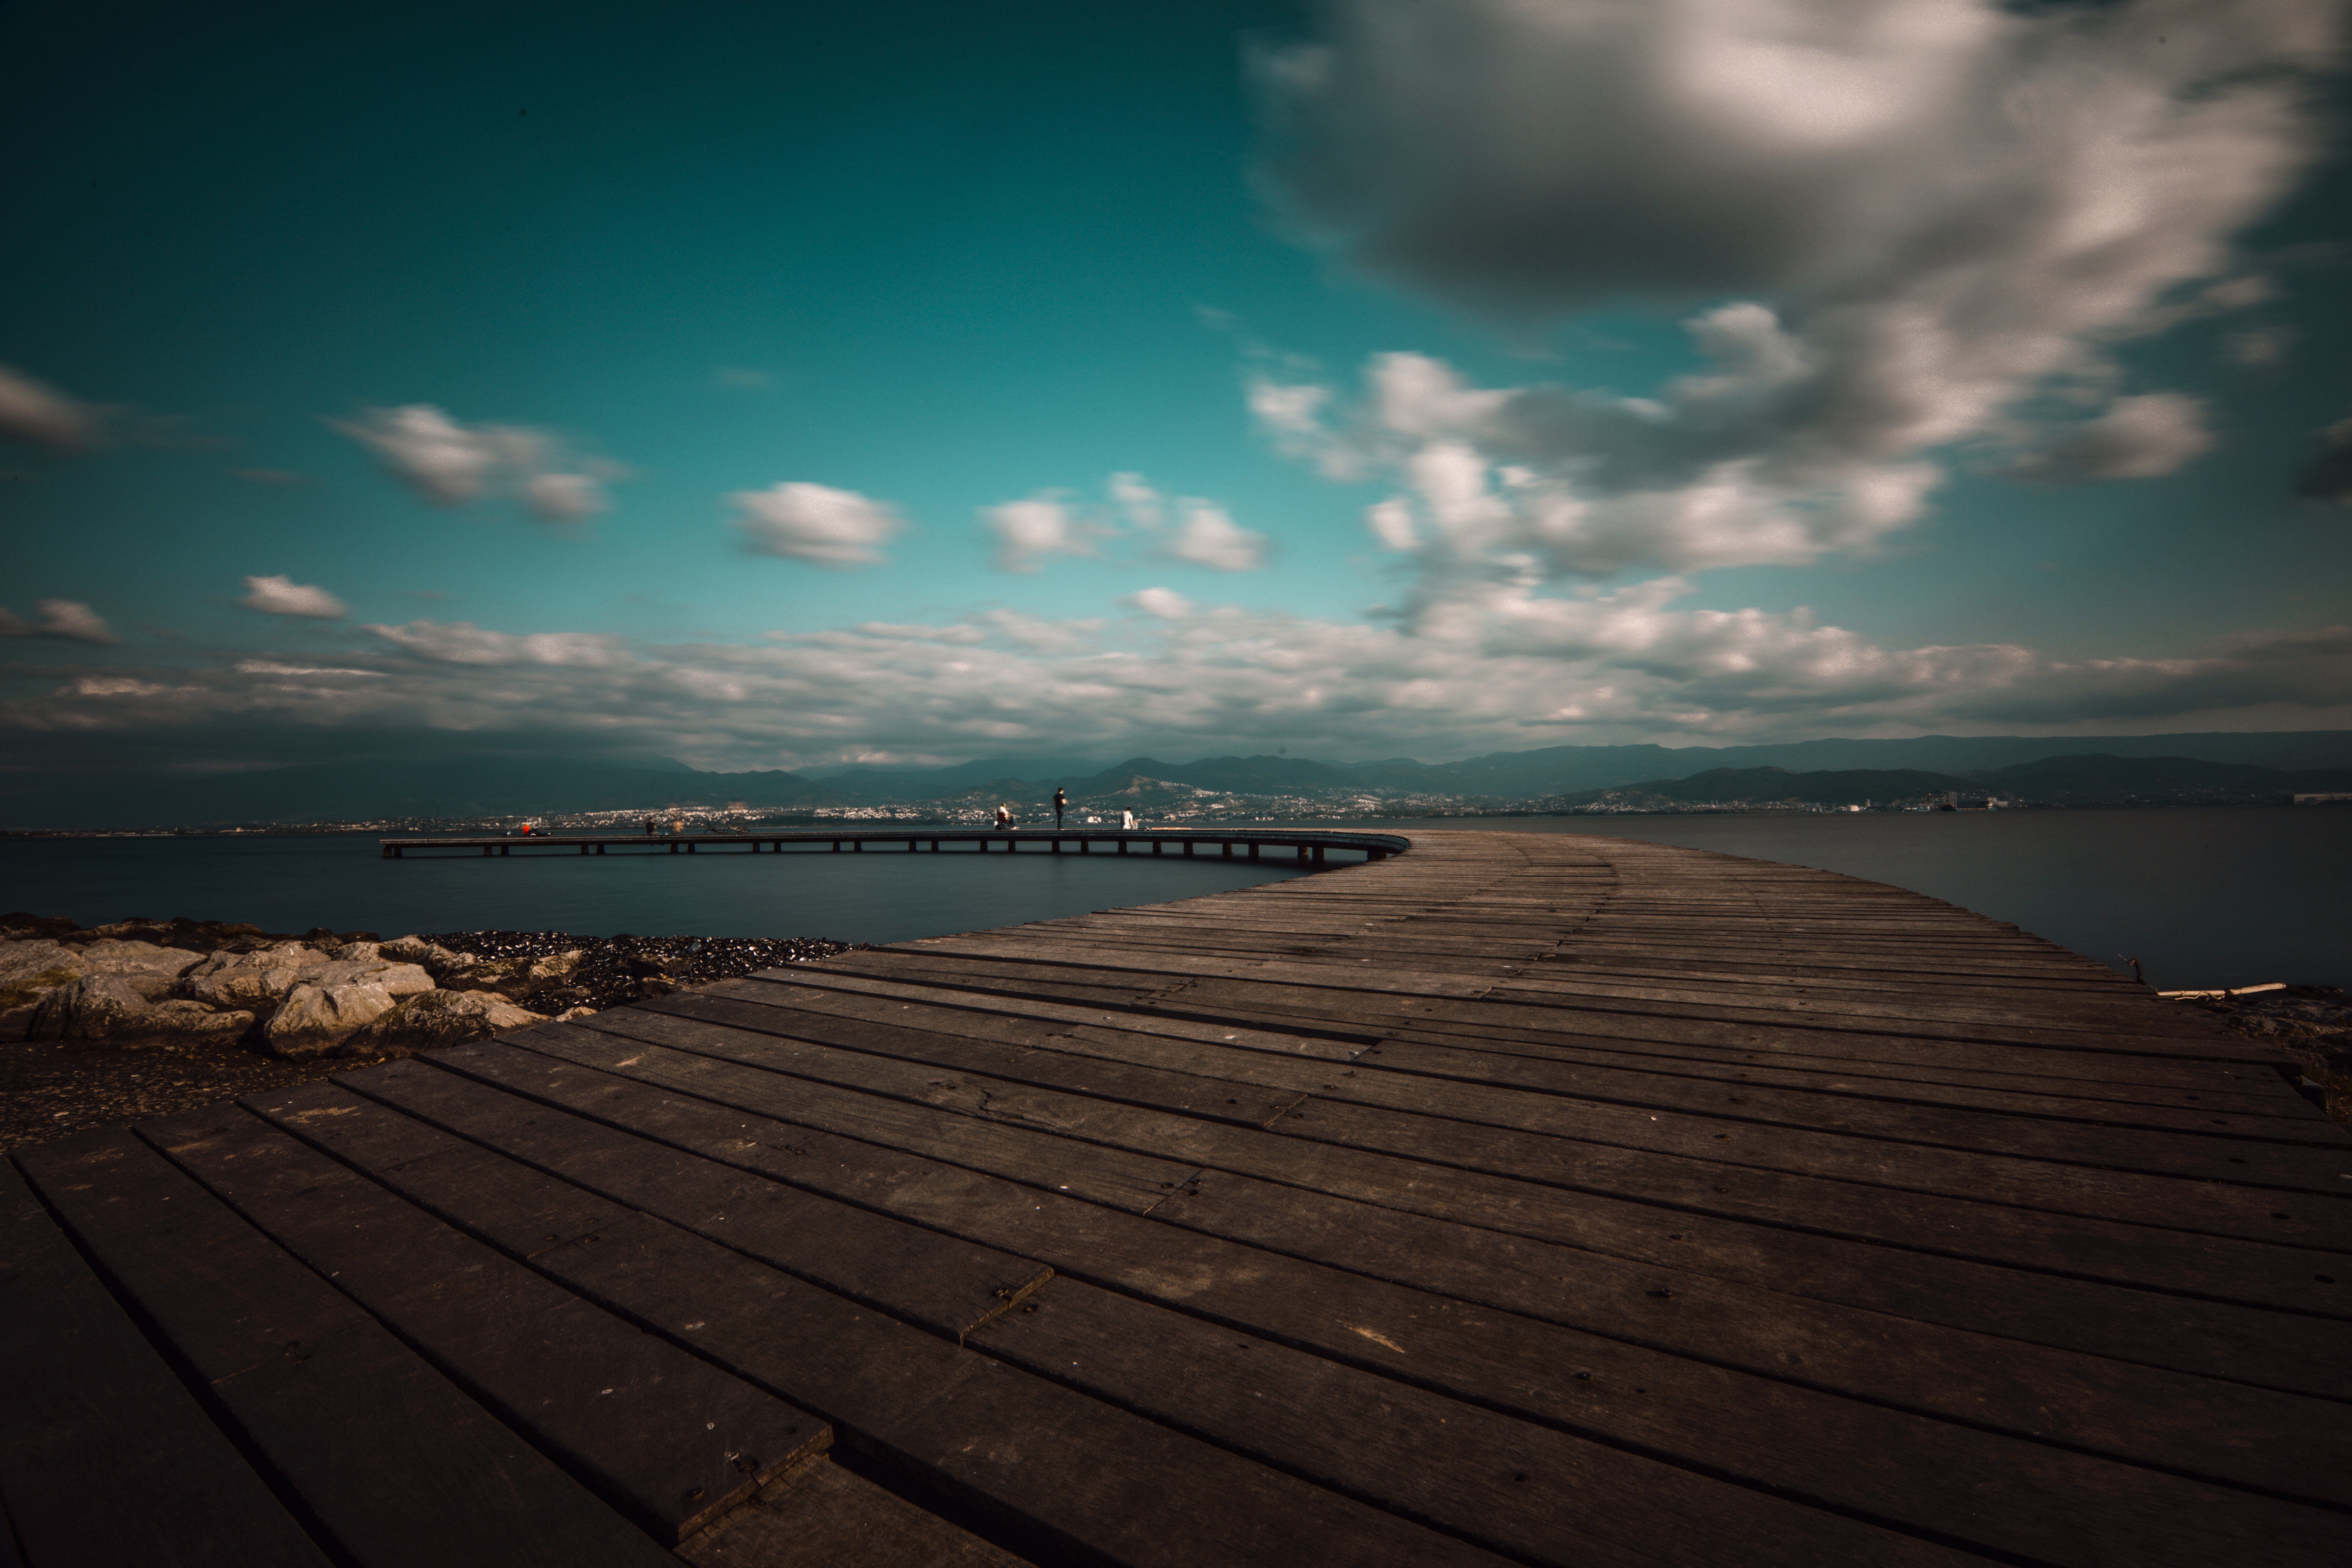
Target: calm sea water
{"x":2215,"y":897}
{"x":293,"y":882}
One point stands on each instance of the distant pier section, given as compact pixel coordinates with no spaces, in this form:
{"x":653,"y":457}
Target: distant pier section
{"x":1311,"y":846}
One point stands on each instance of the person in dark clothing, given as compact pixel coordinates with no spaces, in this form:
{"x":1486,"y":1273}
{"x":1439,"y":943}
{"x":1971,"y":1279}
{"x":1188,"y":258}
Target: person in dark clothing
{"x":1061,"y":804}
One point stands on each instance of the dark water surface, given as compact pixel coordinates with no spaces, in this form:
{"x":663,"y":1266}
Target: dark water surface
{"x":2223,"y":895}
{"x":295,"y":882}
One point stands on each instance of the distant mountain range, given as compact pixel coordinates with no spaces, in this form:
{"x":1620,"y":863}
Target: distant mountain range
{"x":2057,"y":770}
{"x":2052,"y":780}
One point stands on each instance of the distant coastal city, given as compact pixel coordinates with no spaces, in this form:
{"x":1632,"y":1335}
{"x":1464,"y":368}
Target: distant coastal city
{"x":1924,"y":775}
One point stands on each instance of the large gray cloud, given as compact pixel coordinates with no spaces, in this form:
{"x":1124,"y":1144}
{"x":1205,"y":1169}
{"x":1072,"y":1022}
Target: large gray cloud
{"x":64,"y":620}
{"x":1494,"y":665}
{"x":450,"y":463}
{"x":1933,"y":221}
{"x":35,"y":412}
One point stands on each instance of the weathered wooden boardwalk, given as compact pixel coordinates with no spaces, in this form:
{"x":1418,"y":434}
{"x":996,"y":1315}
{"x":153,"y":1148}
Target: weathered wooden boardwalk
{"x":1520,"y":1198}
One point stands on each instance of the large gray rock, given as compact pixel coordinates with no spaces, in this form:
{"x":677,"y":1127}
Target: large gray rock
{"x":254,"y":980}
{"x":95,"y":1007}
{"x":315,"y":1019}
{"x":181,"y":1022}
{"x":441,"y":962}
{"x":29,"y":970}
{"x":109,"y":1007}
{"x":521,"y":979}
{"x":399,"y":979}
{"x":437,"y":1018}
{"x":153,"y":971}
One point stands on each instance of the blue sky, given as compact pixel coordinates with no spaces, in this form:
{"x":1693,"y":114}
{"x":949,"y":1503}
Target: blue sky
{"x":770,"y":387}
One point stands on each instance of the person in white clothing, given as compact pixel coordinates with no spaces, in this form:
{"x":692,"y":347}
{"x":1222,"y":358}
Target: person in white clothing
{"x":1127,"y":821}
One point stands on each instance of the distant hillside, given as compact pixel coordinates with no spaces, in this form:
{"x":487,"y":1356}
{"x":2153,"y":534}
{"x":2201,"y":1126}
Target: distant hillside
{"x":1563,"y":769}
{"x":1724,"y":786}
{"x":2183,"y":769}
{"x":2100,"y":776}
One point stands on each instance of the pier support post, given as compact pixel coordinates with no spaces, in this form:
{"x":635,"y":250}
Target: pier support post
{"x":1319,"y":854}
{"x":1253,"y":851}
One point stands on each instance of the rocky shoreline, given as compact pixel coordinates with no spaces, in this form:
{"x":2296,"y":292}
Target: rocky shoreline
{"x":2310,"y":1024}
{"x":141,"y":1017}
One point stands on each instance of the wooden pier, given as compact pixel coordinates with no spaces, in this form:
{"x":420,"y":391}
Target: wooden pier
{"x":1521,"y":1198}
{"x":1309,"y":847}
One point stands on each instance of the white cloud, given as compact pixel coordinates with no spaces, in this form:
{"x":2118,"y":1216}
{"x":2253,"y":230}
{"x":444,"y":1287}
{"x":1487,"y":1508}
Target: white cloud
{"x":564,"y":498}
{"x":66,"y":620}
{"x":1933,"y":221}
{"x":462,"y":642}
{"x":284,"y":597}
{"x":2136,"y":439}
{"x":1145,"y":507}
{"x":36,"y":412}
{"x":1165,"y":604}
{"x":1209,"y":537}
{"x":1043,"y":524}
{"x":441,"y":460}
{"x":814,"y":522}
{"x":111,"y":686}
{"x":271,"y":667}
{"x":449,"y":463}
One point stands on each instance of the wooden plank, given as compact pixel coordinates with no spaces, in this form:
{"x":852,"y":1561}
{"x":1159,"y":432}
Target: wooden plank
{"x":105,"y":1457}
{"x":1094,"y":1481}
{"x":1643,"y":1086}
{"x":1708,"y":1416}
{"x":819,"y":990}
{"x":825,"y":1516}
{"x":1960,"y":1284}
{"x":856,"y":996}
{"x":1240,"y":1102}
{"x":2188,"y":1423}
{"x":975,"y":1095}
{"x":1104,"y":1174}
{"x":915,"y":1275}
{"x":392,"y":1462}
{"x":1563,"y":1145}
{"x":1525,"y":1490}
{"x":669,"y":1441}
{"x":1552,"y":1154}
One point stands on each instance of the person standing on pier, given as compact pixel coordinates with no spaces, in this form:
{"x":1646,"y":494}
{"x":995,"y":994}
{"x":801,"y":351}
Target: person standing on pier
{"x":1004,"y":818}
{"x":1061,"y":804}
{"x":1127,"y":821}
